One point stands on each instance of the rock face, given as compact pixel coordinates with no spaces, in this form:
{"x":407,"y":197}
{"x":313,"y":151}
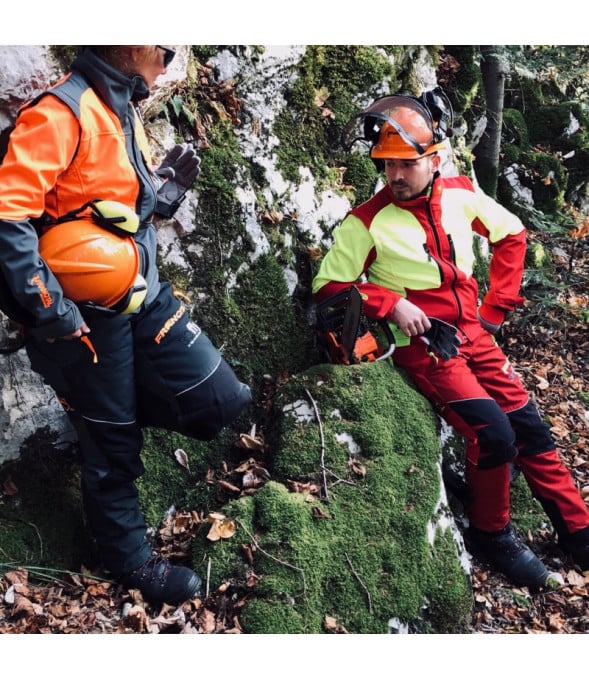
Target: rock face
{"x":244,"y":247}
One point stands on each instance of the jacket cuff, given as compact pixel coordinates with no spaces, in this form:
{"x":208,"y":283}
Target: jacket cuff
{"x":492,"y":315}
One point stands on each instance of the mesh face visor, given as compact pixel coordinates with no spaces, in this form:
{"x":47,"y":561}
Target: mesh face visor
{"x":366,"y":126}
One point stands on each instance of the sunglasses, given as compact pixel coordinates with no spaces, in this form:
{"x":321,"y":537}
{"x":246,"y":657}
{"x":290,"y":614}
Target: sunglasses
{"x":169,"y":54}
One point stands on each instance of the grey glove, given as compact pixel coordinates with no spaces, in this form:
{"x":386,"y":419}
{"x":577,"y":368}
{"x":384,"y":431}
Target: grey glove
{"x":442,"y":337}
{"x":180,"y":168}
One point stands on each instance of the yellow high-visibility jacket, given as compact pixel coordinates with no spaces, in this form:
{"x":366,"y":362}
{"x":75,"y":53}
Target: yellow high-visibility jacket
{"x":422,"y":250}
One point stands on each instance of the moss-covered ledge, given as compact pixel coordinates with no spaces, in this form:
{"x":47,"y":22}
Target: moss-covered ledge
{"x":360,"y":548}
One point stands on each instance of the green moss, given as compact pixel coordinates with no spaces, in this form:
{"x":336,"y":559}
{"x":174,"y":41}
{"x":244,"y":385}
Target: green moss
{"x":64,"y":55}
{"x":42,"y":525}
{"x":330,"y":79}
{"x":361,"y":555}
{"x":526,"y":513}
{"x":166,"y":482}
{"x":463,"y":82}
{"x":549,"y":180}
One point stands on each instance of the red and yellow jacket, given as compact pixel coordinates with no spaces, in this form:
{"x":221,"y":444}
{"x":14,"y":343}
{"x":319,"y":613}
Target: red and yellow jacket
{"x":422,"y":250}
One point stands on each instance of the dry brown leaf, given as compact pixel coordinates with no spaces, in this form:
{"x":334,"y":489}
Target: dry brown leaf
{"x":17,"y":576}
{"x":207,"y":621}
{"x":22,"y":605}
{"x":247,"y":441}
{"x":136,"y":619}
{"x":331,"y":625}
{"x":9,"y":487}
{"x":356,"y":467}
{"x":227,"y":485}
{"x":221,"y":527}
{"x":318,"y":513}
{"x":302,"y":487}
{"x":181,"y":458}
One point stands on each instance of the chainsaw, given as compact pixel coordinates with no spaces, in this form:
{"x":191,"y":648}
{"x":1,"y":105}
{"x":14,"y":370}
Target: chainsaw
{"x":348,"y":340}
{"x":344,"y":331}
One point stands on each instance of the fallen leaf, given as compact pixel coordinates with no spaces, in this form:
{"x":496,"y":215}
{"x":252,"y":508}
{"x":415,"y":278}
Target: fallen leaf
{"x":221,"y":527}
{"x":9,"y":487}
{"x":182,"y":458}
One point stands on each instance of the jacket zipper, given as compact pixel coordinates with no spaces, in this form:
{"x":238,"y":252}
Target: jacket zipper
{"x":440,"y":258}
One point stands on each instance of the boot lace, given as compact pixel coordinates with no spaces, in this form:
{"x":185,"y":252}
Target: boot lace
{"x":155,"y":567}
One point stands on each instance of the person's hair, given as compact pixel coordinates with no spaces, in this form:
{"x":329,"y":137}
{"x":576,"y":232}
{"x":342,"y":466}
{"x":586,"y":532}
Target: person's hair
{"x":123,"y":57}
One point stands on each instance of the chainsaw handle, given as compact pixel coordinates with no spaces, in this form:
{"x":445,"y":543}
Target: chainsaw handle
{"x":390,"y":339}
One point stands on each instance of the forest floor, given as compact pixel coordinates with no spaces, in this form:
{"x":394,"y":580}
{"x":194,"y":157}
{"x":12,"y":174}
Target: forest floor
{"x":549,"y":346}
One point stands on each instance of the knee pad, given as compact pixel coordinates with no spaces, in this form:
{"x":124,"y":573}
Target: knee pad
{"x":492,"y":429}
{"x":531,"y":434}
{"x":214,"y":404}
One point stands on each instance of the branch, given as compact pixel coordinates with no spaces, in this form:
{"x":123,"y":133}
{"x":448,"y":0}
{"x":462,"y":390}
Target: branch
{"x":275,"y":559}
{"x":322,"y":443}
{"x":360,"y":582}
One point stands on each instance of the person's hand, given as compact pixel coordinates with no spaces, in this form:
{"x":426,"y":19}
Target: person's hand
{"x":410,"y":318}
{"x":443,"y":338}
{"x":179,"y":169}
{"x":82,"y":330}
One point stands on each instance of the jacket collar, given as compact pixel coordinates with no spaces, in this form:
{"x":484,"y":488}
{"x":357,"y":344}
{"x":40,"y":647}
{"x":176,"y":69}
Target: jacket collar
{"x":115,"y":88}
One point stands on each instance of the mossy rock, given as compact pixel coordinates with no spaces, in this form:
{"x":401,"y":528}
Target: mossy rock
{"x":41,"y":524}
{"x":357,"y":549}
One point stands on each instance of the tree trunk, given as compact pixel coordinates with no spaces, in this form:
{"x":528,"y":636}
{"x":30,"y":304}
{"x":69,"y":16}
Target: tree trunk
{"x":494,"y":68}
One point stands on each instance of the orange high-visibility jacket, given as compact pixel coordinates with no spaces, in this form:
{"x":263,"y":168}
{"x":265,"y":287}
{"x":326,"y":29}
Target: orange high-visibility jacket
{"x":422,"y":250}
{"x":81,"y":140}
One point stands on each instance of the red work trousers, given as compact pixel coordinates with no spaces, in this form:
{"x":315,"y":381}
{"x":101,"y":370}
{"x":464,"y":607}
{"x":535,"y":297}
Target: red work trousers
{"x":480,"y":395}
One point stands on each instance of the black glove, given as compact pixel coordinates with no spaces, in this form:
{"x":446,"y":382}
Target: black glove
{"x":180,"y":167}
{"x":442,"y":337}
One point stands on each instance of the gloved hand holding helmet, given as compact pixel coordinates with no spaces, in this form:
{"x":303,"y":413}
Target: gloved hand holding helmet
{"x":180,"y":168}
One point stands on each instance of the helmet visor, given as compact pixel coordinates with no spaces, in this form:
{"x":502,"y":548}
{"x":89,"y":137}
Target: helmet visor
{"x":366,"y":126}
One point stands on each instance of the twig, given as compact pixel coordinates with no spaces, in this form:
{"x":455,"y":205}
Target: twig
{"x":339,"y":480}
{"x":316,"y":409}
{"x":275,"y":559}
{"x":360,"y":582}
{"x":208,"y":575}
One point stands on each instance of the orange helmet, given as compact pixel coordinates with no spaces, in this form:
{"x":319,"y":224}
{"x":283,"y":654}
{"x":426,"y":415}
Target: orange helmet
{"x":94,"y":265}
{"x":402,"y":125}
{"x":406,"y":134}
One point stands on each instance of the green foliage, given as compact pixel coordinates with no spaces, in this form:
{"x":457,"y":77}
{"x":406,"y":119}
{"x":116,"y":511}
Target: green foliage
{"x":65,"y":55}
{"x":463,"y":83}
{"x":526,"y":513}
{"x":559,"y":72}
{"x":515,"y":136}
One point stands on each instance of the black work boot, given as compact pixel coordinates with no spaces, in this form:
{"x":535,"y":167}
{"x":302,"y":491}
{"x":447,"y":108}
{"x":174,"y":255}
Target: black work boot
{"x":159,"y":581}
{"x":577,"y":546}
{"x":507,"y":553}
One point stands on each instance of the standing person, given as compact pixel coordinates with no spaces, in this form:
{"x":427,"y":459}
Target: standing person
{"x":411,"y":245}
{"x":132,"y":357}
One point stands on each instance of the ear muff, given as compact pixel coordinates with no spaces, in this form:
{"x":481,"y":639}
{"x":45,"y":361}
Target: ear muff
{"x":433,"y":106}
{"x":134,"y":298}
{"x":111,"y":215}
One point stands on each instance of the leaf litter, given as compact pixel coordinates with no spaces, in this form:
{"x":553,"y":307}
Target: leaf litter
{"x":552,"y":357}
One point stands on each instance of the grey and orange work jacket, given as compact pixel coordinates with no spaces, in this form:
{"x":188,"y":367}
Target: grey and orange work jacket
{"x":78,"y":141}
{"x":422,"y":250}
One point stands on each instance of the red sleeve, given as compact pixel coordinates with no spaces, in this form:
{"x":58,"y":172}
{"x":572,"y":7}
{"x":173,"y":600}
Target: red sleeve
{"x":377,"y":302}
{"x":506,"y":272}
